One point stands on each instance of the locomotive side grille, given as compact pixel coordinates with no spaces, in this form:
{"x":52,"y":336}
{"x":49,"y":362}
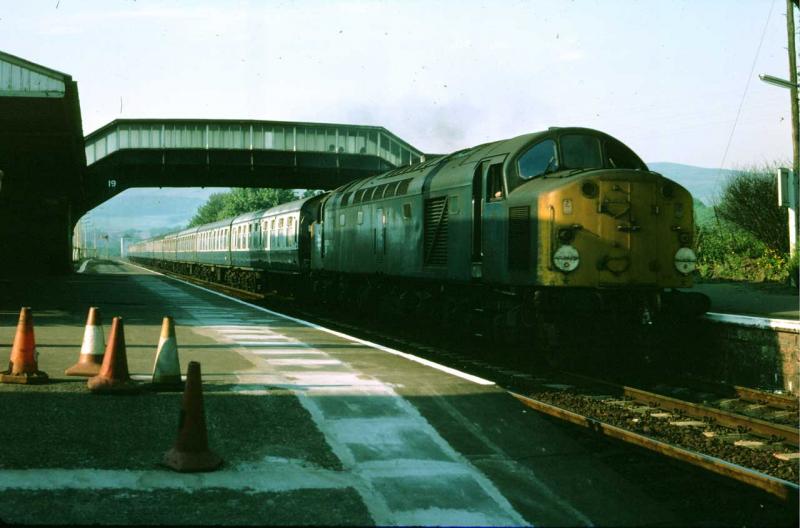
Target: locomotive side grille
{"x":436,"y":231}
{"x":519,"y":238}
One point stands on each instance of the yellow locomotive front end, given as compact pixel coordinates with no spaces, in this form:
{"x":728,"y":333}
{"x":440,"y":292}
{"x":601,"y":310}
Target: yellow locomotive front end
{"x":610,"y":235}
{"x":616,"y":228}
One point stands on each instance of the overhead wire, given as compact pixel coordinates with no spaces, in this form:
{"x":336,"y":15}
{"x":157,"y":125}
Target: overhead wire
{"x":747,"y":85}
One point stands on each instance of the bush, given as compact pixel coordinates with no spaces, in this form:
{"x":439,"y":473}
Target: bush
{"x":750,"y":201}
{"x":794,"y":269}
{"x":725,"y":251}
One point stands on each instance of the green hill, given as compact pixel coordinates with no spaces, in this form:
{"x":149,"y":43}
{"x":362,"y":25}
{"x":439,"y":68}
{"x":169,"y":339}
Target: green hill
{"x":704,"y":183}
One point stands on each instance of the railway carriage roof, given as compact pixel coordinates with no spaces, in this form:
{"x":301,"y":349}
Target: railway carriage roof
{"x":215,"y":225}
{"x":189,"y":231}
{"x":287,"y":207}
{"x":247,"y":217}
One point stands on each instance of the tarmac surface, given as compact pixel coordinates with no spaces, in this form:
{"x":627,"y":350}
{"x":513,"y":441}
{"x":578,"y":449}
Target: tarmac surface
{"x":774,"y":301}
{"x":315,"y":427}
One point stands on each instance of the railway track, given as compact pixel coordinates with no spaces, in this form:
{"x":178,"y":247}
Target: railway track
{"x":756,"y":451}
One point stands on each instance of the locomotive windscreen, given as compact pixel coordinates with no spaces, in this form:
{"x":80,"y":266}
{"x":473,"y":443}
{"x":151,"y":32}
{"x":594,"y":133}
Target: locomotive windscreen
{"x":582,"y":151}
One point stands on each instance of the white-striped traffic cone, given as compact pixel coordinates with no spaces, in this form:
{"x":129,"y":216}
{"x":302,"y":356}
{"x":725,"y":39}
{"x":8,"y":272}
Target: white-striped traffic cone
{"x":92,"y":349}
{"x":167,"y":369}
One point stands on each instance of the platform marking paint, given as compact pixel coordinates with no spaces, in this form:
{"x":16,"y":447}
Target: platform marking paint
{"x":785,"y":325}
{"x":303,"y":362}
{"x":272,"y":475}
{"x":379,"y":484}
{"x":286,"y":352}
{"x":411,"y":357}
{"x":83,"y":265}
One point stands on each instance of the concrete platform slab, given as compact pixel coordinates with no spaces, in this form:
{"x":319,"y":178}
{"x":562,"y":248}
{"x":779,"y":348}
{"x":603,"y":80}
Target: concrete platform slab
{"x":308,"y":421}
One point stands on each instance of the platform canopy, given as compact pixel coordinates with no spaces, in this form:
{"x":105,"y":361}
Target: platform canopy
{"x":42,"y":163}
{"x":21,"y":78}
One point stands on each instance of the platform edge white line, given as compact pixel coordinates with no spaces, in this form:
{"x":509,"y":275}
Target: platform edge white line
{"x":453,"y":372}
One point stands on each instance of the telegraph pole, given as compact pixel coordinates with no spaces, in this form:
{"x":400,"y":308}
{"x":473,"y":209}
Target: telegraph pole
{"x":793,"y":191}
{"x":793,"y":87}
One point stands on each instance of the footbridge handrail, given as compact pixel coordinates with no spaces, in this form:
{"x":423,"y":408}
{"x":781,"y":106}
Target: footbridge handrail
{"x":247,"y":135}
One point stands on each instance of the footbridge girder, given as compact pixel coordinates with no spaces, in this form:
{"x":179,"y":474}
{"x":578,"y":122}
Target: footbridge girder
{"x":227,"y":153}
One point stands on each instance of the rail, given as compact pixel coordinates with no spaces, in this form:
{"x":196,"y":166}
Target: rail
{"x":775,"y":486}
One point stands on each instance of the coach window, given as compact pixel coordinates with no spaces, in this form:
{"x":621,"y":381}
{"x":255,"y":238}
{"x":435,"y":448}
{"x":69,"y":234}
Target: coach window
{"x":494,"y":182}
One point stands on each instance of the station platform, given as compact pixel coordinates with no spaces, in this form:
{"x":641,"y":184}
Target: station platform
{"x":314,"y":426}
{"x":773,"y":301}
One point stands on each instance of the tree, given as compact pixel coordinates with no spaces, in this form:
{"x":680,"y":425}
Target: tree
{"x":237,"y":201}
{"x":245,"y":200}
{"x":209,"y":211}
{"x":750,"y":201}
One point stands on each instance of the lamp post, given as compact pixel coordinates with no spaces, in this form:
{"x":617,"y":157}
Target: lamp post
{"x":787,"y":181}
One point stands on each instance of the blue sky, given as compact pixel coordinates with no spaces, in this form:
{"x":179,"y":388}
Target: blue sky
{"x":665,"y":77}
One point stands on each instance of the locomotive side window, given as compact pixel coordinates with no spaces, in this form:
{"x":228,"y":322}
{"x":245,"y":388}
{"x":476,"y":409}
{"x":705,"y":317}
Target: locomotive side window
{"x":581,"y":151}
{"x":540,"y":159}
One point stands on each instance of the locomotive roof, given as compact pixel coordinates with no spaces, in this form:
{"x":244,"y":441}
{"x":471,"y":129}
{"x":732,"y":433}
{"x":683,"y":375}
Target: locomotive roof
{"x":472,"y":154}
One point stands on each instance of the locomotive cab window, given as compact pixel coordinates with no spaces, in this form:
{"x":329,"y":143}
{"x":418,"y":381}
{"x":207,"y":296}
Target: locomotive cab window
{"x":494,"y":183}
{"x":539,"y":160}
{"x":619,"y":156}
{"x":581,"y":151}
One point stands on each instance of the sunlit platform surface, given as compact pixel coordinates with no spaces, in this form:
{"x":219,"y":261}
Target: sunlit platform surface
{"x":315,"y":427}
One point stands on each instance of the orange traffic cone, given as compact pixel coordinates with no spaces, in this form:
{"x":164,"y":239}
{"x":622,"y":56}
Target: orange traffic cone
{"x":191,"y":453}
{"x":167,"y":369}
{"x":91,"y":357}
{"x":114,"y":376}
{"x":23,"y":366}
